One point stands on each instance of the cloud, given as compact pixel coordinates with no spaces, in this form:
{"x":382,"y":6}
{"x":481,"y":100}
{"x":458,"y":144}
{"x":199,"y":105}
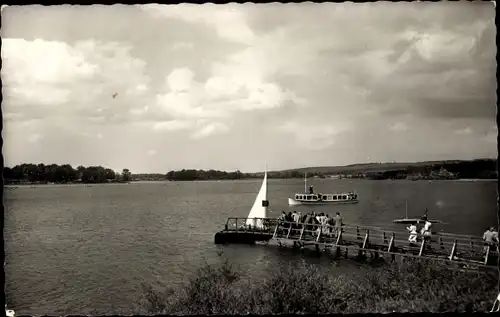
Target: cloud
{"x":399,"y":127}
{"x":228,"y":20}
{"x":210,"y":129}
{"x":464,"y":131}
{"x":152,"y":152}
{"x":172,"y":125}
{"x":34,"y":137}
{"x":43,"y":71}
{"x":313,"y":137}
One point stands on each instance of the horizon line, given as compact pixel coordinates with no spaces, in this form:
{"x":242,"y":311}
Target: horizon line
{"x":270,"y":171}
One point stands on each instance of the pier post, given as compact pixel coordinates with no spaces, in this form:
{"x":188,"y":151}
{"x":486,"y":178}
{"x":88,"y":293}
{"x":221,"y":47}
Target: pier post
{"x":366,"y":239}
{"x":289,"y":229}
{"x":339,"y":237}
{"x":391,"y":243}
{"x":319,"y":234}
{"x":275,"y":230}
{"x":301,"y":233}
{"x":453,"y":250}
{"x":384,"y":237}
{"x":357,"y":233}
{"x":487,"y":255}
{"x":236,"y":225}
{"x":422,"y":247}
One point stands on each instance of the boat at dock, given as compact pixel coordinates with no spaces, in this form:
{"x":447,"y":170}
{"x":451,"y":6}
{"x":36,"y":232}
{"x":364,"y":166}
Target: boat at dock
{"x":311,"y":198}
{"x":256,"y":227}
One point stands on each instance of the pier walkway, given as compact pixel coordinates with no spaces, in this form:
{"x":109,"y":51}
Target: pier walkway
{"x":362,"y":240}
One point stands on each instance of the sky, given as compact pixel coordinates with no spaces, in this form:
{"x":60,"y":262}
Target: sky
{"x":155,"y":88}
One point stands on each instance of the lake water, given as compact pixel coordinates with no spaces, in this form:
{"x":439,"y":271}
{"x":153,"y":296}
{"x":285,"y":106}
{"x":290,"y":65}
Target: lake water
{"x":87,"y":249}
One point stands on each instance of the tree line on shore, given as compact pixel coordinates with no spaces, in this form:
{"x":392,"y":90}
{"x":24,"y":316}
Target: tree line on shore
{"x":59,"y":174}
{"x":53,"y":173}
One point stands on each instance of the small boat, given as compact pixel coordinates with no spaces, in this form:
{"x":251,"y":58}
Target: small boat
{"x":408,"y":221}
{"x":322,"y":199}
{"x":9,"y":312}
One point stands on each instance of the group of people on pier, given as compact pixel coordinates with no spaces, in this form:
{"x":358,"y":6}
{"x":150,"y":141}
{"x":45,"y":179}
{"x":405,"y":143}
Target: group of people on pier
{"x":425,"y":231}
{"x":312,"y":221}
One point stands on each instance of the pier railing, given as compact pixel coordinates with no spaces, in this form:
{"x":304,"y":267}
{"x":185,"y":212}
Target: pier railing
{"x":393,"y":241}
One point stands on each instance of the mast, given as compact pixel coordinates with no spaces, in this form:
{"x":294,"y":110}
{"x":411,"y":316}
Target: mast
{"x":406,"y":209}
{"x":305,"y":182}
{"x":265,"y":193}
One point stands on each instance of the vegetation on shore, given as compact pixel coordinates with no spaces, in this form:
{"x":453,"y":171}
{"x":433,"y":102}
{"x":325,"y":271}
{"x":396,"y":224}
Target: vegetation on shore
{"x":53,"y":173}
{"x":61,"y":174}
{"x":475,"y":169}
{"x":412,"y":286}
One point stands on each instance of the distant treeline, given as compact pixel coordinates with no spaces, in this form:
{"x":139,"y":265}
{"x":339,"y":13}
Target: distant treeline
{"x":192,"y":174}
{"x":53,"y":173}
{"x":476,"y":169}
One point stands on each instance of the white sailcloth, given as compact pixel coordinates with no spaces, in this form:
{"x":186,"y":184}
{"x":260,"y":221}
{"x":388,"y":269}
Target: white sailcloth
{"x":259,"y":208}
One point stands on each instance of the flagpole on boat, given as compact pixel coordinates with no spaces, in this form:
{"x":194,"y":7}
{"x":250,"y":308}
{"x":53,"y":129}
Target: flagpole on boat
{"x":305,"y":182}
{"x":406,"y":209}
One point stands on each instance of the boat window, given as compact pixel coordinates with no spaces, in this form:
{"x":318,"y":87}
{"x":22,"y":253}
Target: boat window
{"x":296,"y":196}
{"x":324,"y":197}
{"x":344,"y":197}
{"x":334,"y":197}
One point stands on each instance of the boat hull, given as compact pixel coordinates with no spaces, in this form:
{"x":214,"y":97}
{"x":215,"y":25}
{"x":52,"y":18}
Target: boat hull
{"x":294,"y":202}
{"x":224,"y":237}
{"x":408,"y":221}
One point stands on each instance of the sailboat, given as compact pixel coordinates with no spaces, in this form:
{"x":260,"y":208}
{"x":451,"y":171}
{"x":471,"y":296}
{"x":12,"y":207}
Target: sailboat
{"x":311,"y":198}
{"x":256,"y":221}
{"x":407,"y":221}
{"x":258,"y":212}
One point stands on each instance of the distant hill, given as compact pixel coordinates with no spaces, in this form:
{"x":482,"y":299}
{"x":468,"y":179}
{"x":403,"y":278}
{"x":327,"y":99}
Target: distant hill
{"x":370,"y":167}
{"x":446,"y":169}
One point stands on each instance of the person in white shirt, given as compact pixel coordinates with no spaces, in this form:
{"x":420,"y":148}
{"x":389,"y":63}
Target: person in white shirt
{"x":413,"y":233}
{"x":426,"y":230}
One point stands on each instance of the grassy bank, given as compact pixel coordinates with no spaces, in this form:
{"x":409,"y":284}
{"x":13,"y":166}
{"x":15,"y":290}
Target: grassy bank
{"x":412,"y":286}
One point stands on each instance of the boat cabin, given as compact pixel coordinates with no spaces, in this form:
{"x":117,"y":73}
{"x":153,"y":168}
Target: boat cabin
{"x":326,"y":197}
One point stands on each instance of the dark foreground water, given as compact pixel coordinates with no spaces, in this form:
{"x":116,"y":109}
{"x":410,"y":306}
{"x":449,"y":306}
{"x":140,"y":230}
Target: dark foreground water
{"x":87,"y":249}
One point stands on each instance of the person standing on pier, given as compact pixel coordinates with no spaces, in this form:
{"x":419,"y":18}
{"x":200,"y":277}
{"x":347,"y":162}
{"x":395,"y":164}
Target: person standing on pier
{"x":295,"y":218}
{"x":338,"y":223}
{"x":426,"y":230}
{"x":311,"y":189}
{"x":490,"y":238}
{"x":413,"y":233}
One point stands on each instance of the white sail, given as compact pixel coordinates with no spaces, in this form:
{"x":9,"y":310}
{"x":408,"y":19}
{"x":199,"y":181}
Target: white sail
{"x":259,"y":208}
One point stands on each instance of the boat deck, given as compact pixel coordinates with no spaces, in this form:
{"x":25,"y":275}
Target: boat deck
{"x":361,"y":240}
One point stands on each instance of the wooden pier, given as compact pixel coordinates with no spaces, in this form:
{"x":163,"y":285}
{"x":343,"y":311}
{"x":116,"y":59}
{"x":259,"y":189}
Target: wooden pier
{"x":363,"y":241}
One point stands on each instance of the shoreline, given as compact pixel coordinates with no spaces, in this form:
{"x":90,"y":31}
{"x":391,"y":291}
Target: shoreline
{"x":10,"y":185}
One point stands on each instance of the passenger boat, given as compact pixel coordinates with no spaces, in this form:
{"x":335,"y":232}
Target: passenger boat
{"x":322,"y":199}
